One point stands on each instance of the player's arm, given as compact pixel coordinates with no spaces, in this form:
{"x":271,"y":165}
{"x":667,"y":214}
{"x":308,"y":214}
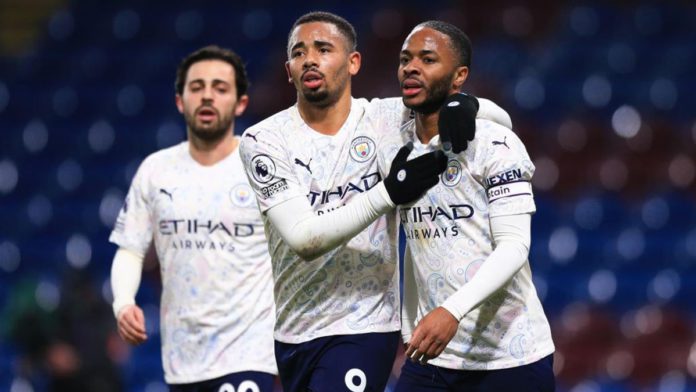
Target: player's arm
{"x":126,"y":272}
{"x":489,"y":110}
{"x":409,"y":308}
{"x":310,"y":235}
{"x":511,"y":234}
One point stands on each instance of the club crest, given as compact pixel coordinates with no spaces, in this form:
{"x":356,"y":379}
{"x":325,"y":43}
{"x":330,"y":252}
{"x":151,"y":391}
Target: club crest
{"x":362,"y":148}
{"x":241,"y":195}
{"x":453,"y":173}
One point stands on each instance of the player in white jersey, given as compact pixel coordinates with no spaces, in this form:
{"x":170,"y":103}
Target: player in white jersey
{"x":471,"y":317}
{"x":195,"y":201}
{"x":313,"y":167}
{"x":334,"y":261}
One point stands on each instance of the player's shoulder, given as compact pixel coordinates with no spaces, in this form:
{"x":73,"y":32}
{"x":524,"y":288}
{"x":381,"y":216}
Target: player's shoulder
{"x":269,"y":129}
{"x":389,"y":112}
{"x":488,"y":133}
{"x":491,"y":111}
{"x":384,"y":104}
{"x":494,"y":144}
{"x":165,"y":156}
{"x":160,"y":161}
{"x":272,"y":123}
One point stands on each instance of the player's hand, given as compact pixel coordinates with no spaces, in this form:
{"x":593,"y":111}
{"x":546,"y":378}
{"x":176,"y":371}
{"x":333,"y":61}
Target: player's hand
{"x":131,"y":324}
{"x":409,"y":180}
{"x":457,"y":122}
{"x":431,"y":336}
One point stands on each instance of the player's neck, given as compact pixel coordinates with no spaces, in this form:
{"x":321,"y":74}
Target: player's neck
{"x":208,"y":153}
{"x":326,"y":120}
{"x":426,"y":126}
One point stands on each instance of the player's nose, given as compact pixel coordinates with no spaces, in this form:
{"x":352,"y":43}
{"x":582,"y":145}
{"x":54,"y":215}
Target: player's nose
{"x":310,"y":60}
{"x":207,"y":94}
{"x":410,"y":69}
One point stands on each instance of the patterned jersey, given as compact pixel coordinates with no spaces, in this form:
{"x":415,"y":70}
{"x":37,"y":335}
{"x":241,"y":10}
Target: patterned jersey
{"x":449,"y":238}
{"x":352,"y":289}
{"x":217,"y":302}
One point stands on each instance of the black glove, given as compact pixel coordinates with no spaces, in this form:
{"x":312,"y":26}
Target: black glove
{"x":457,"y":122}
{"x":409,"y":180}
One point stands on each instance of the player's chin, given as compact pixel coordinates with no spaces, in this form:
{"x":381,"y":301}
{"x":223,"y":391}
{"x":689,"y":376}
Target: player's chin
{"x":316,"y":92}
{"x":412,"y":101}
{"x":209,"y":127}
{"x":317,"y":96}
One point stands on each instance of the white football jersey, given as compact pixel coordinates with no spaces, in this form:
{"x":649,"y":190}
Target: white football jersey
{"x":352,"y":289}
{"x":449,"y":238}
{"x":217,"y":302}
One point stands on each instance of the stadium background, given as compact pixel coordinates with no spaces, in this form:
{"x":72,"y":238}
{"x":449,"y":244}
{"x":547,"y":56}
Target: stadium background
{"x":601,"y":93}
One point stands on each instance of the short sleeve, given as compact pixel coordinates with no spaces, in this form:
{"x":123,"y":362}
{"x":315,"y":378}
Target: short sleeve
{"x":268,"y":168}
{"x":506,"y":170}
{"x":133,"y":227}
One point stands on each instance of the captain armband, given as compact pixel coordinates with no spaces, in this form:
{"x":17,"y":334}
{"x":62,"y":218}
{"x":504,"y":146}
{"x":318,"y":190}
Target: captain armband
{"x":509,"y":189}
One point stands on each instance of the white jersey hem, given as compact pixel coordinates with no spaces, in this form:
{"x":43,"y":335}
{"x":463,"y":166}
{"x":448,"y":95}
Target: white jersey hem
{"x":500,"y":364}
{"x":214,"y":375}
{"x":303,"y":339}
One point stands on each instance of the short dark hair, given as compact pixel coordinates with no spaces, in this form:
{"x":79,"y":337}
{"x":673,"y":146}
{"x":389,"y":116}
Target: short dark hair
{"x":213,"y":52}
{"x":459,"y":41}
{"x":343,"y":26}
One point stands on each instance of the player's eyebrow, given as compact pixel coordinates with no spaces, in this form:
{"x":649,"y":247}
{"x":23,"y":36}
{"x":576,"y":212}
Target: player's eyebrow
{"x":217,"y":82}
{"x":426,"y":52}
{"x":201,"y":81}
{"x":319,"y":43}
{"x":214,"y":83}
{"x":297,"y":46}
{"x":423,"y":52}
{"x":316,"y":43}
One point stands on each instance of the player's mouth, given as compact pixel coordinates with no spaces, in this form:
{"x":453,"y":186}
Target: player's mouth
{"x":312,"y":79}
{"x":411,"y":87}
{"x":206,"y":114}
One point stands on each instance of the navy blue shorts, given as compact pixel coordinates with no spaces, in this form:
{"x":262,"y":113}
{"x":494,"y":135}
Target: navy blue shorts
{"x":534,"y":377}
{"x":237,"y":382}
{"x":350,"y":363}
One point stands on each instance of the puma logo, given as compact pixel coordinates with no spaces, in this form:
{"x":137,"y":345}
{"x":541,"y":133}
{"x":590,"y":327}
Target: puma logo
{"x":164,"y":191}
{"x":306,"y":166}
{"x":251,"y":136}
{"x":503,"y":143}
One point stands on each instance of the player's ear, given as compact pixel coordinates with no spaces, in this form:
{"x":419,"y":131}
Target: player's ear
{"x":354,"y":60}
{"x":179,"y":103}
{"x":460,"y":75}
{"x":242,"y":104}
